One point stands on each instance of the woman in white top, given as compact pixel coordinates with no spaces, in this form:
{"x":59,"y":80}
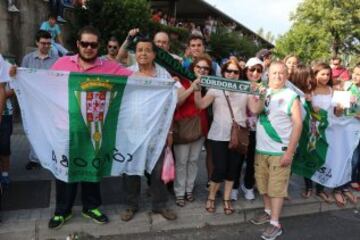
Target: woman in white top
{"x":321,"y":99}
{"x":252,"y":72}
{"x":225,"y":161}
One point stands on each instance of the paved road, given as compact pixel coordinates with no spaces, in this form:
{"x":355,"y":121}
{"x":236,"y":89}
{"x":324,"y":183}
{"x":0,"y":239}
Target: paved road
{"x":343,"y":225}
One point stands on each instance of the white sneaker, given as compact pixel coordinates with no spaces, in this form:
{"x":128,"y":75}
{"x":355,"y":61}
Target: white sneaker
{"x":248,"y":193}
{"x":234,"y":194}
{"x":13,"y":8}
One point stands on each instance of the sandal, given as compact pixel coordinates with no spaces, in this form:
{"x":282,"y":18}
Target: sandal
{"x":339,"y":199}
{"x":228,"y":209}
{"x":308,"y":193}
{"x":180,"y":201}
{"x":349,"y":195}
{"x":355,"y":186}
{"x":189,"y":197}
{"x":324,"y":196}
{"x":210,"y":205}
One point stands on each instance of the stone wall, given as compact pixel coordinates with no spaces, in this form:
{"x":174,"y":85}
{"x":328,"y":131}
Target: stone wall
{"x":17,"y":30}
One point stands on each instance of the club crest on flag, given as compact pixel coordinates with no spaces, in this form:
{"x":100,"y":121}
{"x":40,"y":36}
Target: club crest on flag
{"x":94,"y":100}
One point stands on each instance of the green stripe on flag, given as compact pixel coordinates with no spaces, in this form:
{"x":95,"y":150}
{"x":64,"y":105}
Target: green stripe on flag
{"x":312,"y":149}
{"x":88,"y":161}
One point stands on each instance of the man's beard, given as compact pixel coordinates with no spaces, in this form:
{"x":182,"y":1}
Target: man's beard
{"x":88,"y":60}
{"x":112,"y":54}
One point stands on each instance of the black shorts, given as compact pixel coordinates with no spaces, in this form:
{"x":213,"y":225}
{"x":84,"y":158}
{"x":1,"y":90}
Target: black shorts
{"x":6,"y":129}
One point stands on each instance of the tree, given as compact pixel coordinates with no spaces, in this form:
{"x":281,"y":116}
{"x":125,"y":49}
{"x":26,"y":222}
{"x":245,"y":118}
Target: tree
{"x":223,"y":43}
{"x":113,"y":17}
{"x":117,"y":17}
{"x":336,"y":21}
{"x":305,"y":42}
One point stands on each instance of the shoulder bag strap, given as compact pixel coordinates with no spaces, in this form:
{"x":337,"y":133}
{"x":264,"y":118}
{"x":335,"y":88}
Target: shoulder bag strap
{"x":229,"y":105}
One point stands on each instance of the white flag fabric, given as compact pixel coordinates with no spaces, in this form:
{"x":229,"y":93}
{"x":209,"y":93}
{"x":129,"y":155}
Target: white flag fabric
{"x":4,"y":70}
{"x":326,"y":147}
{"x":83,"y":127}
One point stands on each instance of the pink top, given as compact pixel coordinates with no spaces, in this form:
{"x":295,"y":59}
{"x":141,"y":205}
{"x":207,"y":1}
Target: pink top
{"x":341,"y":73}
{"x":101,"y":66}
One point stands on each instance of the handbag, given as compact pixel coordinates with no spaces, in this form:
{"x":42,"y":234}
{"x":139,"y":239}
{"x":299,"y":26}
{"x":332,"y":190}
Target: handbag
{"x":239,"y":136}
{"x":187,"y":130}
{"x":168,"y":168}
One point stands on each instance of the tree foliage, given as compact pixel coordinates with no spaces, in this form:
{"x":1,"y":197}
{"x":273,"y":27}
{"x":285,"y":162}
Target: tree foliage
{"x":223,"y":43}
{"x":114,"y":17}
{"x":305,"y":42}
{"x":331,"y":26}
{"x":117,"y":17}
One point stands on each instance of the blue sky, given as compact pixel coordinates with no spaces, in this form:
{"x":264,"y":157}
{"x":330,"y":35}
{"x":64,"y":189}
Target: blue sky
{"x":271,"y":15}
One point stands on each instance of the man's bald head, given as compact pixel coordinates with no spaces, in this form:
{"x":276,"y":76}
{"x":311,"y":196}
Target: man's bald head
{"x":162,"y":40}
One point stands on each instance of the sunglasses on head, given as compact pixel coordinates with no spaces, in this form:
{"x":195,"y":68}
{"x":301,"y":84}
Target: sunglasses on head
{"x":93,"y":45}
{"x":232,"y":71}
{"x":202,"y":68}
{"x":112,"y":47}
{"x":259,"y":70}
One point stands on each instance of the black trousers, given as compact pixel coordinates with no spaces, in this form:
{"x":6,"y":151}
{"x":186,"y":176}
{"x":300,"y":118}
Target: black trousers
{"x":66,"y":193}
{"x":226,"y":162}
{"x":249,"y":178}
{"x":158,"y":190}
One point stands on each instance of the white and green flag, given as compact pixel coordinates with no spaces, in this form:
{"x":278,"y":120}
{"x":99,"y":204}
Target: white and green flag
{"x":326,"y":147}
{"x":83,"y":127}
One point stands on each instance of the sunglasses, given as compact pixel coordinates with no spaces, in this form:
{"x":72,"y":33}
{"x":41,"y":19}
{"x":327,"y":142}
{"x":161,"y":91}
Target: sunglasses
{"x":202,"y":68}
{"x":112,"y":47}
{"x":259,"y":70}
{"x":93,"y":45}
{"x":236,"y":72}
{"x":45,"y":43}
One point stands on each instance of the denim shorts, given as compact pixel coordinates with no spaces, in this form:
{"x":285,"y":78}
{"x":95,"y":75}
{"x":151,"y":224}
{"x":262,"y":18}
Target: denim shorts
{"x":6,"y":129}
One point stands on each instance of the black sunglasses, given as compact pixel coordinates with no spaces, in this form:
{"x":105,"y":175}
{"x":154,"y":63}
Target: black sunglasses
{"x":259,"y":70}
{"x":202,"y":68}
{"x":232,"y":71}
{"x":93,"y":45}
{"x":113,"y":47}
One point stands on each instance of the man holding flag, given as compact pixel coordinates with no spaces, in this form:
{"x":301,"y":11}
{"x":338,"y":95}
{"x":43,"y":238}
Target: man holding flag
{"x":86,"y":61}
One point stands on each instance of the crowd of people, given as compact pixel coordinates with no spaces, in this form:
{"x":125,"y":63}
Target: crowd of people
{"x":57,"y":6}
{"x":270,"y":152}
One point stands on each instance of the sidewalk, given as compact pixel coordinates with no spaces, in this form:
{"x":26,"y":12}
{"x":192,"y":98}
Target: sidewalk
{"x":36,"y":188}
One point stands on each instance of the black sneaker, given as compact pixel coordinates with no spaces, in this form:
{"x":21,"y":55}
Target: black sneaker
{"x":96,"y":216}
{"x":57,"y":221}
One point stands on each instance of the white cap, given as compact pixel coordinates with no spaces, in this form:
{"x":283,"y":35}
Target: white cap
{"x":253,"y":61}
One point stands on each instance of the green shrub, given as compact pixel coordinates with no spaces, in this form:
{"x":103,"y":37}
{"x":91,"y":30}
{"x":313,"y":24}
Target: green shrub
{"x":113,"y":17}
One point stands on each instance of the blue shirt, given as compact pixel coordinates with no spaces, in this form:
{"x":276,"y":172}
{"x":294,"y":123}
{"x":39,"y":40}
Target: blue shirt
{"x":32,"y":60}
{"x":53,"y":30}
